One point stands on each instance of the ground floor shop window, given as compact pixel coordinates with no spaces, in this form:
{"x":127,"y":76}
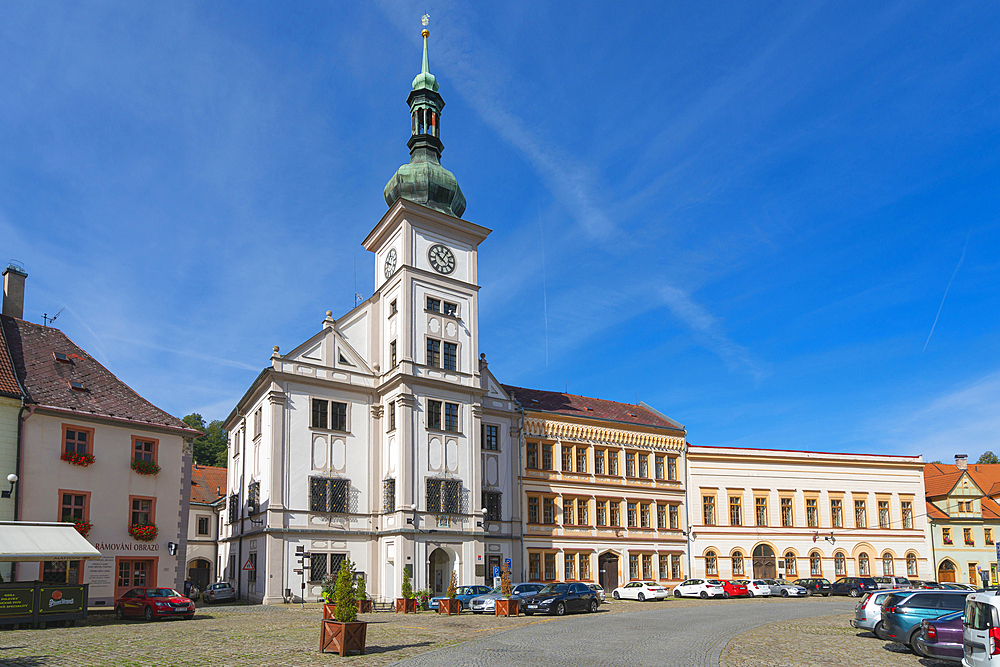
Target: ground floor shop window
{"x":61,"y":571}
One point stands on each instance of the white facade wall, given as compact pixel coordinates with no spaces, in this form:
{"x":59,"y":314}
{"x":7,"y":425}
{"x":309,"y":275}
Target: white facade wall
{"x":9,"y":408}
{"x":749,"y":474}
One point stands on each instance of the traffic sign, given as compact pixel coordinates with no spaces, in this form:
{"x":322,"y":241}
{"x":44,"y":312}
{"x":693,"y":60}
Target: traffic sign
{"x":248,"y":566}
{"x":998,"y":550}
{"x":496,"y":570}
{"x":507,"y":560}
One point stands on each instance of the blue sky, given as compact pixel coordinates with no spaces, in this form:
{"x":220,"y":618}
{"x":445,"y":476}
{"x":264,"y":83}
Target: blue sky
{"x":776,"y":223}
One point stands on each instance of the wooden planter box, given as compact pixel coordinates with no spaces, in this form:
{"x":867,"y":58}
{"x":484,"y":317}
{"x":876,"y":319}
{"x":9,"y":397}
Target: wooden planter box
{"x":342,"y":638}
{"x":364,"y":606}
{"x":507,"y":608}
{"x":406,"y":605}
{"x":450,"y":607}
{"x":329,"y":611}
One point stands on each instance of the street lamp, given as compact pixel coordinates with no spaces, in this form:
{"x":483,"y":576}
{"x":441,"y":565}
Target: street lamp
{"x":12,"y":478}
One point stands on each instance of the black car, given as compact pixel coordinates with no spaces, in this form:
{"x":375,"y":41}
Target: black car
{"x":815,"y":586}
{"x":853,"y":586}
{"x":559,"y":599}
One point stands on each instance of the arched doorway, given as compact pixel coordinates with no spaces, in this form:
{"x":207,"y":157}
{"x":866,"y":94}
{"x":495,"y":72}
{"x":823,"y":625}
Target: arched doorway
{"x":440,"y":564}
{"x":946,"y":571}
{"x":607,"y":571}
{"x":200,"y":571}
{"x":764,"y":563}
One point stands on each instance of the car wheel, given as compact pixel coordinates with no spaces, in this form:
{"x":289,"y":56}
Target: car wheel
{"x":752,"y":594}
{"x":677,"y":593}
{"x":725,"y":596}
{"x":855,"y":593}
{"x":120,"y":613}
{"x":914,"y":636}
{"x":615,"y":595}
{"x":642,"y":598}
{"x":560,"y":609}
{"x":879,"y":629}
{"x":593,"y":606}
{"x":148,"y":614}
{"x":826,"y":595}
{"x":784,"y":593}
{"x":704,"y":595}
{"x":188,"y":617}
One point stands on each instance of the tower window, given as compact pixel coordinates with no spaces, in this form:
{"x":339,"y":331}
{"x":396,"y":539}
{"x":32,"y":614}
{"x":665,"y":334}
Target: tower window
{"x":434,"y":305}
{"x":451,"y":309}
{"x":433,"y":352}
{"x":450,"y":356}
{"x":392,"y":307}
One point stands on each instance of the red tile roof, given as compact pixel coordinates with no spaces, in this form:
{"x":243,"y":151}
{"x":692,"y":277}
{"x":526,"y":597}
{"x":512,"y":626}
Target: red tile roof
{"x":204,"y":482}
{"x":940,"y":478}
{"x":47,"y":381}
{"x":934,"y":513}
{"x":589,"y":408}
{"x":8,"y":378}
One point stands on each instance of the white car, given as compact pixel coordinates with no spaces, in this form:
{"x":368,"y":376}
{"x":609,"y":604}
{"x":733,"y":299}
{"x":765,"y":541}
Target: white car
{"x":640,"y":590}
{"x":758,"y":588}
{"x":699,"y":588}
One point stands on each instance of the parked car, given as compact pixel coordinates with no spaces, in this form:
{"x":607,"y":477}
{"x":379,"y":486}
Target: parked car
{"x":757,"y":588}
{"x":153,"y":603}
{"x":924,"y":583}
{"x":734,"y":589}
{"x":487,"y":603}
{"x":694,"y":588}
{"x":893,"y":583}
{"x":561,"y":598}
{"x":941,"y":638}
{"x":955,"y":586}
{"x":815,"y":586}
{"x":641,"y":591}
{"x":853,"y":586}
{"x":219,"y":593}
{"x":462,"y":593}
{"x":786,"y":588}
{"x":868,"y":612}
{"x":597,"y":588}
{"x":903,"y":611}
{"x":981,"y":629}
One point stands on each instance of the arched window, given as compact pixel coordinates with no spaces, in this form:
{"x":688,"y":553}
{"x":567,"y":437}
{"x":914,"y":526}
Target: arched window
{"x":863,"y":566}
{"x":711,"y":564}
{"x":815,"y":565}
{"x":737,"y":564}
{"x":840,"y":564}
{"x":911,"y":565}
{"x":790,"y":570}
{"x":887,"y":564}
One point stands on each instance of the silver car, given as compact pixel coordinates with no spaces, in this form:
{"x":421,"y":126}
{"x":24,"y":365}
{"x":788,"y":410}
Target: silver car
{"x":868,"y":612}
{"x":786,"y":589}
{"x":487,"y":603}
{"x":597,"y":589}
{"x":893,"y":583}
{"x":219,"y":593}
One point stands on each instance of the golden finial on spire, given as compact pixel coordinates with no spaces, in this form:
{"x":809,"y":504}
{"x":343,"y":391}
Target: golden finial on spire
{"x":424,"y":20}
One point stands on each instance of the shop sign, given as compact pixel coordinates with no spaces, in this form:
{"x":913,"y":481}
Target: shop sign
{"x":17,"y":601}
{"x":61,"y":599}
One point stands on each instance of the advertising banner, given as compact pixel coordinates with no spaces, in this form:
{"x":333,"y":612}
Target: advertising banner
{"x":17,"y":601}
{"x":61,"y":599}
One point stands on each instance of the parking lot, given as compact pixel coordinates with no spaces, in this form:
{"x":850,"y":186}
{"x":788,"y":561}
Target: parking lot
{"x":289,"y":634}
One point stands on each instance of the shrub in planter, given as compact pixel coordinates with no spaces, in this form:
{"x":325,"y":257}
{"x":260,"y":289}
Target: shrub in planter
{"x":82,"y":460}
{"x":450,"y":605}
{"x":145,"y":467}
{"x":406,"y":604}
{"x":364,"y":604}
{"x":144,"y":532}
{"x":344,"y":633}
{"x":82,"y":526}
{"x":329,"y":581}
{"x":505,"y":606}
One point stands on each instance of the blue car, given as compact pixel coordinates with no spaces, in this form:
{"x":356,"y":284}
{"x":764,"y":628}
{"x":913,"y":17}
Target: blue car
{"x":902,"y":613}
{"x":464,"y":593}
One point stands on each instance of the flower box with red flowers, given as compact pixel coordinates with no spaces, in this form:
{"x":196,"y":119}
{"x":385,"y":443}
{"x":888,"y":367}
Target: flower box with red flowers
{"x":83,"y":460}
{"x":82,"y":525}
{"x":145,"y":467}
{"x":144,"y":532}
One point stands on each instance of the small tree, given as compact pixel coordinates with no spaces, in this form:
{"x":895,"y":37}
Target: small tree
{"x":343,"y":594}
{"x":988,"y":458}
{"x":407,"y":587}
{"x":359,"y":589}
{"x":453,"y":585}
{"x":505,"y":588}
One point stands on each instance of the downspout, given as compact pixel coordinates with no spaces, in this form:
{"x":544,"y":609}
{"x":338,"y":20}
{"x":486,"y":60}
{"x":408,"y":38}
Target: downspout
{"x":520,"y":488}
{"x":687,"y":503}
{"x":17,"y":459}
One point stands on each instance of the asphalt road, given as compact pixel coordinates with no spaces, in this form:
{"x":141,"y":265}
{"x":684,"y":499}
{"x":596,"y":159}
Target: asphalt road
{"x":686,"y":636}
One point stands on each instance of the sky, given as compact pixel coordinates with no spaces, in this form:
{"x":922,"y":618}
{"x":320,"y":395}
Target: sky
{"x":777,"y":223}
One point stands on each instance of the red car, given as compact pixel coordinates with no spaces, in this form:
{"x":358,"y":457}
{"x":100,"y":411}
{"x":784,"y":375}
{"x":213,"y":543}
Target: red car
{"x":734,"y":590}
{"x":152,"y":603}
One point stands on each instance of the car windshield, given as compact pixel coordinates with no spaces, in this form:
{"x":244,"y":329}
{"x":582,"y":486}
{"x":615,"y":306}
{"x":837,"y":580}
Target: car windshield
{"x":822,"y":581}
{"x":715,"y":582}
{"x":162,"y":593}
{"x":649,"y":584}
{"x":464,"y":590}
{"x":554,"y":588}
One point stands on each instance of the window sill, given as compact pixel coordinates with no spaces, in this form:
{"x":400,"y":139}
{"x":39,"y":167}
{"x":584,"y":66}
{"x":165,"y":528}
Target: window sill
{"x":441,"y":430}
{"x":329,"y":430}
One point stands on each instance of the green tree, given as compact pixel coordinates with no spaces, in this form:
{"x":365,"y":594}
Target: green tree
{"x":407,"y":586}
{"x":343,"y":594}
{"x":211,"y":448}
{"x":988,"y":458}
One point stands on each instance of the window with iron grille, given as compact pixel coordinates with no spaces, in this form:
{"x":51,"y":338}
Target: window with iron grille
{"x":491,"y":501}
{"x":389,"y":495}
{"x":450,"y":358}
{"x":253,"y":498}
{"x":444,"y":495}
{"x":234,"y":508}
{"x":490,"y":437}
{"x":328,"y":495}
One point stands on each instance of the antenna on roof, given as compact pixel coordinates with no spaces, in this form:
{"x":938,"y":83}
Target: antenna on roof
{"x":46,"y":320}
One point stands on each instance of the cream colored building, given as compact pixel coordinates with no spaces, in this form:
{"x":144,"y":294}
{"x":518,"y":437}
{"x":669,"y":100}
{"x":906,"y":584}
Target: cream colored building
{"x":603,"y":491}
{"x":208,"y":499}
{"x":774,"y":513}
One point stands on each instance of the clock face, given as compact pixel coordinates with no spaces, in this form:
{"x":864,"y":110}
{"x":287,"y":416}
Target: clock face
{"x":390,"y":262}
{"x":441,"y":258}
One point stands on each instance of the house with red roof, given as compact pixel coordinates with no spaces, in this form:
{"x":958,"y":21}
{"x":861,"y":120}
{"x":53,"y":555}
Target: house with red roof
{"x":91,"y":451}
{"x":208,"y":499}
{"x":964,"y":519}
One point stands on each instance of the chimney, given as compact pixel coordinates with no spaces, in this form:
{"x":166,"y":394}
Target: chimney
{"x":961,"y":461}
{"x":13,"y":290}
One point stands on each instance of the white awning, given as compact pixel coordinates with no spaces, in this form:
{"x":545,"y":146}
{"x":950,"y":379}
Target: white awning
{"x":37,"y":541}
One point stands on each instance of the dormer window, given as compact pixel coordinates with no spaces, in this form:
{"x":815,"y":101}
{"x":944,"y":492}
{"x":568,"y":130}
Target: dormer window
{"x":59,"y":356}
{"x":76,"y":386}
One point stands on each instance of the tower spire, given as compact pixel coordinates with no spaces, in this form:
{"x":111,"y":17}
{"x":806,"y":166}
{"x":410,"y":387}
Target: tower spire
{"x":424,"y":180}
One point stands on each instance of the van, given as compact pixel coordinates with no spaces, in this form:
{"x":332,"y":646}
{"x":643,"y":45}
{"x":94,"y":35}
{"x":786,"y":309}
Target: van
{"x":981,"y":629}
